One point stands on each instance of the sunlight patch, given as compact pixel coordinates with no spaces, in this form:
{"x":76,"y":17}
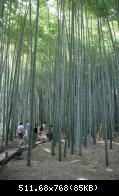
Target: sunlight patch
{"x":109,"y":170}
{"x":74,"y":161}
{"x":47,"y":150}
{"x":116,"y":143}
{"x":82,"y":179}
{"x":101,"y":142}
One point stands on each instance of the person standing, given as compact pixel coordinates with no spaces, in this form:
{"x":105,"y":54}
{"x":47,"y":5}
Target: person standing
{"x":35,"y":133}
{"x":43,"y":135}
{"x":20,"y":133}
{"x":50,"y":132}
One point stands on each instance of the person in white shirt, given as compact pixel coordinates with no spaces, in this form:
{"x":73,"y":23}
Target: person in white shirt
{"x":20,"y":133}
{"x":43,"y":134}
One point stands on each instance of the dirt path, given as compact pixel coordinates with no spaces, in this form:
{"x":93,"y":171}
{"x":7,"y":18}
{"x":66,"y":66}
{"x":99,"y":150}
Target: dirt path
{"x":91,"y":165}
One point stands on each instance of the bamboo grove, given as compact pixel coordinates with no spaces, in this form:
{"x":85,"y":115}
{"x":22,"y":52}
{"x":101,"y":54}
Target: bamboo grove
{"x":60,"y":66}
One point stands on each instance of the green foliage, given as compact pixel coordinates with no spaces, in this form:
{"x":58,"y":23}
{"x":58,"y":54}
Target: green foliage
{"x":14,"y":15}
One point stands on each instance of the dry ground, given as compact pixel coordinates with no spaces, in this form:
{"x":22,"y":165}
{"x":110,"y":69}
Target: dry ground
{"x":90,"y":166}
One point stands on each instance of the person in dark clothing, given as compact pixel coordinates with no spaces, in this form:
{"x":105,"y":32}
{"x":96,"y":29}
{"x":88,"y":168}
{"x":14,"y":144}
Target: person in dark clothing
{"x":41,"y":128}
{"x":50,"y":132}
{"x":35,"y":133}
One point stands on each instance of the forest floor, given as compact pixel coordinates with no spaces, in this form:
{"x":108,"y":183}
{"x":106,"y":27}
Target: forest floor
{"x":89,"y":166}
